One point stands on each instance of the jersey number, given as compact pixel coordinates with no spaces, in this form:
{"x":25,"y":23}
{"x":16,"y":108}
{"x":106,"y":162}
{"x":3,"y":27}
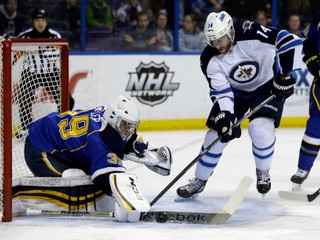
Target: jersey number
{"x":113,"y":159}
{"x":74,"y":127}
{"x":264,"y":30}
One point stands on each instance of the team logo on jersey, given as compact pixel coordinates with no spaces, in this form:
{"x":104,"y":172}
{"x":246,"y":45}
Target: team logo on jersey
{"x":151,"y":83}
{"x":244,"y":72}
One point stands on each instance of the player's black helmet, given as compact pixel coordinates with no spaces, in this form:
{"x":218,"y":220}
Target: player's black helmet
{"x":39,"y":13}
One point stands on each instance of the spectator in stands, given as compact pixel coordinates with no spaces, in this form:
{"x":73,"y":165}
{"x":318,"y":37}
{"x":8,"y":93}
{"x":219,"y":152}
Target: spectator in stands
{"x":303,"y":8}
{"x":164,"y":36}
{"x":185,"y":7}
{"x":190,"y":36}
{"x":241,"y":9}
{"x":261,"y":17}
{"x":126,"y":14}
{"x":39,"y":70}
{"x":10,"y":21}
{"x":201,"y":8}
{"x":25,"y":9}
{"x":140,"y":37}
{"x":294,"y":24}
{"x":155,"y":6}
{"x":99,"y":15}
{"x":68,"y":13}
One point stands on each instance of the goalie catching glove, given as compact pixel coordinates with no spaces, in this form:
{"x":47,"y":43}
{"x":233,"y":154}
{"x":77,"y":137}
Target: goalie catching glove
{"x":158,"y":160}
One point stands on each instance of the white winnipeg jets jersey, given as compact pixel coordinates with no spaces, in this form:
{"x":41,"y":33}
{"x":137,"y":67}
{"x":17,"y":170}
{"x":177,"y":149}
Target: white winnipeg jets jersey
{"x":258,"y":54}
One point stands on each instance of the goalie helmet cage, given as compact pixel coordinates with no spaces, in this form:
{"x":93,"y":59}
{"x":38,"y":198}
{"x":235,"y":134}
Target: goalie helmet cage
{"x":48,"y":60}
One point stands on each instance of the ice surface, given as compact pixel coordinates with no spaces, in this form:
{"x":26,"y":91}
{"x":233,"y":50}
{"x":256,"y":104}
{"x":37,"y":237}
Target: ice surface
{"x":271,"y":218}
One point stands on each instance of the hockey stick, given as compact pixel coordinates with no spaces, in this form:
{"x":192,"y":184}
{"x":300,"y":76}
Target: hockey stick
{"x":31,"y":211}
{"x":299,"y":196}
{"x":219,"y":217}
{"x":241,"y":120}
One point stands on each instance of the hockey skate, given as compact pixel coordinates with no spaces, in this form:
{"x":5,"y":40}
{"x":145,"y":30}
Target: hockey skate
{"x":298,"y":178}
{"x":192,"y":189}
{"x":263,"y":181}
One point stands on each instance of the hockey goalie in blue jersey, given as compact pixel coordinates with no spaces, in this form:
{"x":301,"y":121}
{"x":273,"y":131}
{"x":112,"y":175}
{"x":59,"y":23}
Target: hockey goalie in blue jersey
{"x":244,"y":63}
{"x":95,"y":142}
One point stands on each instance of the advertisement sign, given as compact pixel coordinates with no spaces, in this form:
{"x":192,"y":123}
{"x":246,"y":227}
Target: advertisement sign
{"x":163,"y":86}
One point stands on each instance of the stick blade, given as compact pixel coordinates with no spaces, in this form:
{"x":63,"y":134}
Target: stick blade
{"x":233,"y":204}
{"x":299,"y":196}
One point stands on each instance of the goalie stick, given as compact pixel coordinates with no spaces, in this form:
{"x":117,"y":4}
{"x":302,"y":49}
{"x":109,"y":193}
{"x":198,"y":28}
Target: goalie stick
{"x":248,"y":114}
{"x":220,"y":217}
{"x":299,"y":196}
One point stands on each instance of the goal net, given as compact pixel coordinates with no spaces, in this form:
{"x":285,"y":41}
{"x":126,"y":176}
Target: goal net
{"x":34,"y":82}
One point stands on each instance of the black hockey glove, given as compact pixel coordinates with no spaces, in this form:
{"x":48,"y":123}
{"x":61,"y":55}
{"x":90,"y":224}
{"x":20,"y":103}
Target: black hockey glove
{"x":313,"y":65}
{"x":283,"y":88}
{"x":224,"y":122}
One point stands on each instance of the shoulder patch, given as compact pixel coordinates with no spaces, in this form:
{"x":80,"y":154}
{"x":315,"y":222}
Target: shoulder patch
{"x":247,"y":25}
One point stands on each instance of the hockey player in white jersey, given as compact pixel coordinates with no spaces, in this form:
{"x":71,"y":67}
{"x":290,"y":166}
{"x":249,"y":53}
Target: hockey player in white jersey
{"x":244,"y":63}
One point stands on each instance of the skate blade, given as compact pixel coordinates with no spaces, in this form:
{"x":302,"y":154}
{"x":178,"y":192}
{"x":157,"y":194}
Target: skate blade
{"x":182,"y":199}
{"x":296,"y":187}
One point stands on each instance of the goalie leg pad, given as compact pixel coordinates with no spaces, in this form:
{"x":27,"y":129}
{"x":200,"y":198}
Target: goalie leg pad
{"x":122,"y":215}
{"x":129,"y":199}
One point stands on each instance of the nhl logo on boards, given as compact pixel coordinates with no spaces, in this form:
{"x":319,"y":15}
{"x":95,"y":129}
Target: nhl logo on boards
{"x":152,"y":83}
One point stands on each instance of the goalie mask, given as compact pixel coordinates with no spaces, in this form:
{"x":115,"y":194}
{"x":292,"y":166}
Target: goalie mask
{"x":123,"y":115}
{"x":218,"y":25}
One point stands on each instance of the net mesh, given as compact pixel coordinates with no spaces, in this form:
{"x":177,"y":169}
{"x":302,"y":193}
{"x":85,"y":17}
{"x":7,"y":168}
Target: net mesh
{"x":36,"y":91}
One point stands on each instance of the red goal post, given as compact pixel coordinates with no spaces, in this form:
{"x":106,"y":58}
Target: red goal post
{"x":29,"y":68}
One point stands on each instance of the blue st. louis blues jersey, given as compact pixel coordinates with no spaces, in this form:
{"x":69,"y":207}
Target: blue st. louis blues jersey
{"x":311,"y":48}
{"x":311,"y":33}
{"x":83,"y":137}
{"x":257,"y":55}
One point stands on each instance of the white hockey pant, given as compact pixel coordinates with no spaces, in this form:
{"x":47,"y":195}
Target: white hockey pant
{"x":207,"y":163}
{"x":262,"y":133}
